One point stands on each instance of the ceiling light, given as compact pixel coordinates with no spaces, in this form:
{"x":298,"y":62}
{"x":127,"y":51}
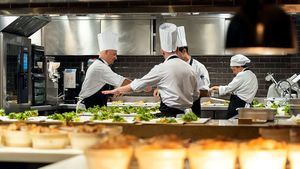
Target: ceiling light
{"x":261,"y":28}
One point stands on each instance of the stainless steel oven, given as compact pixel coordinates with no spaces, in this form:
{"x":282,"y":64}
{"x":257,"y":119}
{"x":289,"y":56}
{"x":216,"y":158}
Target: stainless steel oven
{"x":15,"y":86}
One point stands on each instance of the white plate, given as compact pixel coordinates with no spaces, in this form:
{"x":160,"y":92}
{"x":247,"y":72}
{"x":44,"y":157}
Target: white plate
{"x":128,"y":120}
{"x":136,"y":104}
{"x":51,"y":120}
{"x":156,"y":121}
{"x":214,"y":105}
{"x":199,"y":121}
{"x":5,"y":118}
{"x":284,"y":116}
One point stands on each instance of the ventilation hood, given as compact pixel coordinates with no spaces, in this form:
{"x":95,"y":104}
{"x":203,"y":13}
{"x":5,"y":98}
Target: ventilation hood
{"x":23,"y":25}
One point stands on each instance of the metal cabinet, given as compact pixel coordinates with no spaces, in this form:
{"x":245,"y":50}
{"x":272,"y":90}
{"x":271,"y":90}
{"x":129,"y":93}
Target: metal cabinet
{"x":205,"y":35}
{"x":134,"y":35}
{"x":68,"y":36}
{"x":78,"y":35}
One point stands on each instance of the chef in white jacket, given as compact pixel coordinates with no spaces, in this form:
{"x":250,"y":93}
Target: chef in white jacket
{"x":243,"y":87}
{"x":200,"y":70}
{"x":99,"y":75}
{"x":174,"y":77}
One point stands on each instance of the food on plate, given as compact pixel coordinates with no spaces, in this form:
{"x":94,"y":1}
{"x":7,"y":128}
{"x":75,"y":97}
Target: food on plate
{"x":104,"y":115}
{"x":190,"y":116}
{"x":167,"y":120}
{"x":113,"y":153}
{"x":23,"y":115}
{"x":161,"y":152}
{"x":94,"y":110}
{"x":2,"y":112}
{"x":117,"y":118}
{"x":68,"y":117}
{"x":212,"y":154}
{"x":117,"y":102}
{"x":143,"y":117}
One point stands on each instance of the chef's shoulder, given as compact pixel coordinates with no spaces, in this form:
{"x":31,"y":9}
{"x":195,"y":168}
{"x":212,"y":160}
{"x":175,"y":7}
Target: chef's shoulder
{"x":246,"y":74}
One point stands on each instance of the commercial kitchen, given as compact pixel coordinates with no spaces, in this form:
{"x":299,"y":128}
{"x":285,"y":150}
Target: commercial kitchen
{"x":50,"y":115}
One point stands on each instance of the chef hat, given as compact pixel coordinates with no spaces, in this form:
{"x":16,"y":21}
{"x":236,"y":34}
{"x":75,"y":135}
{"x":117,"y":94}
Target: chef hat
{"x":168,"y":37}
{"x":239,"y":60}
{"x":107,"y":41}
{"x":181,"y":39}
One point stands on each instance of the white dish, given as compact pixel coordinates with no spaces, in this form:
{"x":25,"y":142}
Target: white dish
{"x":37,"y":119}
{"x":156,"y":121}
{"x":282,"y":116}
{"x":199,"y":121}
{"x":128,"y":120}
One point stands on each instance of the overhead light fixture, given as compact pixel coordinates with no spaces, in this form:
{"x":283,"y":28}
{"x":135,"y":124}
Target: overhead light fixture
{"x":261,"y":28}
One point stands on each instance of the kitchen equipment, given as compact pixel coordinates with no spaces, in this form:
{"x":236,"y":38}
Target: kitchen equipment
{"x":283,"y":88}
{"x":15,"y":60}
{"x":257,"y":114}
{"x":38,"y":70}
{"x":52,"y":81}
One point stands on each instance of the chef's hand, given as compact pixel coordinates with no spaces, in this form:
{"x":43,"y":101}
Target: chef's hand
{"x":214,"y":88}
{"x":156,"y":92}
{"x":117,"y":95}
{"x":114,"y":92}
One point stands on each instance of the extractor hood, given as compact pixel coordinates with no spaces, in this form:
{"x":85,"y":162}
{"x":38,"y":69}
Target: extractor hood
{"x":23,"y":25}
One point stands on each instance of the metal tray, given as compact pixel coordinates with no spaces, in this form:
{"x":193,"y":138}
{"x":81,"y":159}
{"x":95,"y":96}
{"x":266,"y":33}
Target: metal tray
{"x":257,"y":113}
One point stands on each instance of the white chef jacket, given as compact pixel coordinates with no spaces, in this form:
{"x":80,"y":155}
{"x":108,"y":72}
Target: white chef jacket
{"x":244,"y":85}
{"x":201,"y":74}
{"x":176,"y":81}
{"x":97,"y":75}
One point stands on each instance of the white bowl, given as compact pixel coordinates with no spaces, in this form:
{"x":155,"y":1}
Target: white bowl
{"x":294,"y":156}
{"x":84,"y":140}
{"x":49,"y":140}
{"x":13,"y":138}
{"x":212,"y":159}
{"x":160,"y":158}
{"x":262,"y":159}
{"x":108,"y":158}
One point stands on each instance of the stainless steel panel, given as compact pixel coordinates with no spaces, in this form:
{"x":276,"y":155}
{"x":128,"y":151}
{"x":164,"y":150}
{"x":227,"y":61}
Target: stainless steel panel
{"x":205,"y":35}
{"x":6,"y":20}
{"x":36,"y":38}
{"x":71,"y":37}
{"x":134,"y":35}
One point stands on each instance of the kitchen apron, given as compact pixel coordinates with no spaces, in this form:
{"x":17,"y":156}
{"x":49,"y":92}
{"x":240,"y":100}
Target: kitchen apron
{"x":98,"y":99}
{"x":196,"y":107}
{"x":165,"y":110}
{"x":235,"y":102}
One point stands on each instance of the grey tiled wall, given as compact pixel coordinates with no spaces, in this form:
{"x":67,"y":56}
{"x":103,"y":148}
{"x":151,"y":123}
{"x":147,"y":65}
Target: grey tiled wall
{"x":218,"y":67}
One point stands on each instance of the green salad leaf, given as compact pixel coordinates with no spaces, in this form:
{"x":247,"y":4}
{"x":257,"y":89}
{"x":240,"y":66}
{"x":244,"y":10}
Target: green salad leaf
{"x":118,"y":118}
{"x":190,"y":116}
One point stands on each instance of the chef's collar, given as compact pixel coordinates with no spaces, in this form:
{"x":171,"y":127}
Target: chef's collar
{"x":103,"y":60}
{"x":170,"y":56}
{"x":190,"y":61}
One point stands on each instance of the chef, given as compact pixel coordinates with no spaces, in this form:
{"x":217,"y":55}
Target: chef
{"x":99,"y":75}
{"x":174,"y":77}
{"x":200,"y":70}
{"x":243,"y":87}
